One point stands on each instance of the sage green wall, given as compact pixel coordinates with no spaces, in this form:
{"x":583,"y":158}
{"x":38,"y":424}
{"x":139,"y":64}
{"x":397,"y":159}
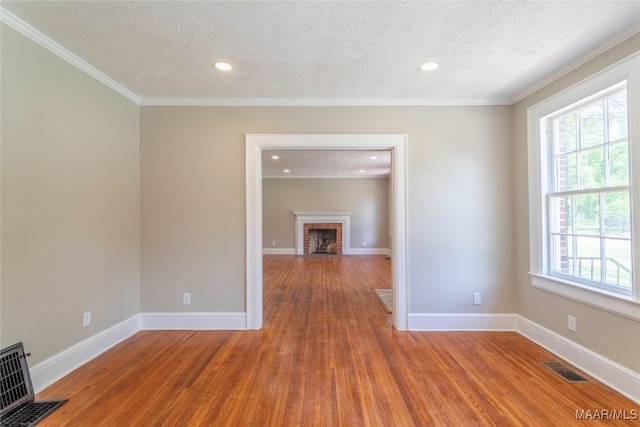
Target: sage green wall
{"x":366,"y":198}
{"x":459,"y":200}
{"x":70,"y":201}
{"x":610,"y":335}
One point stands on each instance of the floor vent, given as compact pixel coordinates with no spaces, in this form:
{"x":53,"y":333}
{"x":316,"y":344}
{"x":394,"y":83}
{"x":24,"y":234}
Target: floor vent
{"x":19,"y":408}
{"x":565,"y":372}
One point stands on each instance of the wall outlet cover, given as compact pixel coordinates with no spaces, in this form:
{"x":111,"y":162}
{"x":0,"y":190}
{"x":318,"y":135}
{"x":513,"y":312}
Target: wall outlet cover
{"x":86,"y":319}
{"x":477,"y":298}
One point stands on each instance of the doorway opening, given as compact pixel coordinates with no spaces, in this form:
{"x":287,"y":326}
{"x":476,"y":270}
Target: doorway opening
{"x":256,"y":143}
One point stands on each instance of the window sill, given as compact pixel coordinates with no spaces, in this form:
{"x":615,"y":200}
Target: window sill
{"x":607,"y":301}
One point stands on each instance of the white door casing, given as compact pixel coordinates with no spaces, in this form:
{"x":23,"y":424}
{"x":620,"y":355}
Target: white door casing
{"x":256,"y":143}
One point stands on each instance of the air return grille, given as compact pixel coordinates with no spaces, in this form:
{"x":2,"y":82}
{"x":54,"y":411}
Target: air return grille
{"x":566,"y":373}
{"x":18,"y":406}
{"x":16,"y":388}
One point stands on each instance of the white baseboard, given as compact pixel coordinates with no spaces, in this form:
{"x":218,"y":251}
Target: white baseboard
{"x":369,"y":251}
{"x":462,"y":322}
{"x":52,"y":369}
{"x":278,"y":251}
{"x":193,"y":321}
{"x":616,"y":376}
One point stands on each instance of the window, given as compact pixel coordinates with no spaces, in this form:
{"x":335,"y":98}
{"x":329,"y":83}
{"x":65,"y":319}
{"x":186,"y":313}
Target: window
{"x":589,"y":210}
{"x":584,"y":182}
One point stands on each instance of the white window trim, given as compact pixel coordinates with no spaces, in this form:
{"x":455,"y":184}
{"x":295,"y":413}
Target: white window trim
{"x":629,"y":70}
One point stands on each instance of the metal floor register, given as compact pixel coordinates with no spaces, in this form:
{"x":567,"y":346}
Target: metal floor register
{"x":19,"y":408}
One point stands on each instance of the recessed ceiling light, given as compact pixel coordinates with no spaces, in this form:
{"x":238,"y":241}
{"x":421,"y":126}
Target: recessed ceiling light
{"x":373,"y":157}
{"x":429,"y":66}
{"x":223,"y":66}
{"x":361,"y":170}
{"x":286,"y":171}
{"x":275,"y":157}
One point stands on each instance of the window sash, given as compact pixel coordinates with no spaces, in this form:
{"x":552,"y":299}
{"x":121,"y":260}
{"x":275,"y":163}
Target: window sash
{"x":572,"y":255}
{"x":580,"y":150}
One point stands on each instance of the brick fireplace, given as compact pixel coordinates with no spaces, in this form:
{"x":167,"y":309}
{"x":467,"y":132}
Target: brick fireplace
{"x":306,"y":222}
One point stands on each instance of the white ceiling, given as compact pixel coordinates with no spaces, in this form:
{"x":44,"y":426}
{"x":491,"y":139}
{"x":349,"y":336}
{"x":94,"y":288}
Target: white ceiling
{"x":326,"y":163}
{"x":335,"y":52}
{"x":324,"y":53}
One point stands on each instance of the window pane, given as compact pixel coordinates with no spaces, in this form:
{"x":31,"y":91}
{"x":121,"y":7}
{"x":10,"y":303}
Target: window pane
{"x":561,"y":215}
{"x":618,"y":257}
{"x":566,"y":172}
{"x":619,"y":164}
{"x":617,"y":214}
{"x":565,"y":133}
{"x":588,"y":251}
{"x":588,"y":214}
{"x":592,"y":125}
{"x":563,"y":254}
{"x":592,"y":168}
{"x":618,"y":117}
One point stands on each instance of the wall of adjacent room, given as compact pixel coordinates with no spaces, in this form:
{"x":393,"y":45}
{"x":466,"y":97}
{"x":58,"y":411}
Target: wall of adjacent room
{"x":366,"y":198}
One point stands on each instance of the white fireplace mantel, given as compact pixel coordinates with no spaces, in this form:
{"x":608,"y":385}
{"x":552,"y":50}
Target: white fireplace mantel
{"x":302,"y":218}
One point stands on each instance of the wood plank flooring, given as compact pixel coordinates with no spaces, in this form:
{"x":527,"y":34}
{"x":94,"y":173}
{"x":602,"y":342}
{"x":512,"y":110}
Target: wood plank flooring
{"x":327,"y":356}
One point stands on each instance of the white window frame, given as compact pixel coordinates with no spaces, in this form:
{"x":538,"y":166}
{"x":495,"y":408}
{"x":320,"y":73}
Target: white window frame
{"x":626,"y":70}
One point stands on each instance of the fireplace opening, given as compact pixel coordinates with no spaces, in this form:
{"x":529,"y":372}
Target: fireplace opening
{"x":322,"y":238}
{"x":322,"y":241}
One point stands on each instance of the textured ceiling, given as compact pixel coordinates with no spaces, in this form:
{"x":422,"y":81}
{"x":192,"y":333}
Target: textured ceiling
{"x":490,"y":51}
{"x":326,"y":163}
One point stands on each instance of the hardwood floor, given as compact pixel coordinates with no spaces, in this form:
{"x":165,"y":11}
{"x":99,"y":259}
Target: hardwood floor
{"x":327,"y":356}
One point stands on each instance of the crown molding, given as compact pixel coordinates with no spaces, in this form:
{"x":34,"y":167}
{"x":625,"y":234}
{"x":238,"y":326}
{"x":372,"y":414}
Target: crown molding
{"x":28,"y":31}
{"x":335,"y":102}
{"x":575,"y":64}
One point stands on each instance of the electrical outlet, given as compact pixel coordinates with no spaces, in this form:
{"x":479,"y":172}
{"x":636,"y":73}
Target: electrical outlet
{"x":273,"y":243}
{"x":364,"y":243}
{"x":571,"y":323}
{"x":186,"y":298}
{"x":86,"y":319}
{"x":477,"y":298}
